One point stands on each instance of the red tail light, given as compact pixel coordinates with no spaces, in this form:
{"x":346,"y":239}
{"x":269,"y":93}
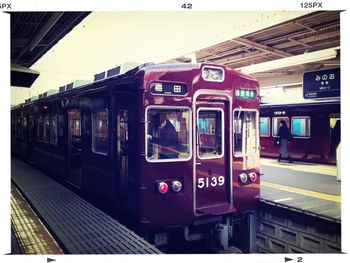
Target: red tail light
{"x":163,"y":187}
{"x":253,"y":176}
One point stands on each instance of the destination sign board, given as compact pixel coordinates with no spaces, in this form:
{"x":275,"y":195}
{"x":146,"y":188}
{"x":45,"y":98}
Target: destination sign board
{"x":170,"y":89}
{"x":245,"y":94}
{"x":321,"y":84}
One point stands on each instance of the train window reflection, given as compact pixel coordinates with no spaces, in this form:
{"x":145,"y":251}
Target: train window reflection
{"x":210,"y":137}
{"x":264,"y":126}
{"x":168,"y":134}
{"x":53,"y":130}
{"x":301,"y":126}
{"x":46,"y":131}
{"x":100,"y":131}
{"x":245,"y":132}
{"x":39,"y":129}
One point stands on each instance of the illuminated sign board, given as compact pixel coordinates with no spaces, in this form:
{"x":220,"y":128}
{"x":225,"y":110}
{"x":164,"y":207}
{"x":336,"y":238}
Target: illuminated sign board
{"x":321,"y":84}
{"x":170,"y":89}
{"x":245,"y":94}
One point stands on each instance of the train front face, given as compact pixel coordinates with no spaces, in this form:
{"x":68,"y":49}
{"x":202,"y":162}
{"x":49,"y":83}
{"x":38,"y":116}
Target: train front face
{"x":199,"y":155}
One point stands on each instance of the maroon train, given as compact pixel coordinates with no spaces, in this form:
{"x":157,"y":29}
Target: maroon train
{"x":315,"y":127}
{"x":175,"y":145}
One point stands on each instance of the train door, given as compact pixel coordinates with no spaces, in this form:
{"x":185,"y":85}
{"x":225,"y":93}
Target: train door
{"x":74,"y":147}
{"x":246,"y":137}
{"x":123,"y":147}
{"x":212,"y":170}
{"x":126,"y":153}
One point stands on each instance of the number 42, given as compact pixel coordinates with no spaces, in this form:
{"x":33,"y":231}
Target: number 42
{"x":187,"y":6}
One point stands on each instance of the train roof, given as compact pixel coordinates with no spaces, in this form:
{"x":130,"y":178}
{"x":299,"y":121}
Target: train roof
{"x":184,"y":66}
{"x":127,"y":76}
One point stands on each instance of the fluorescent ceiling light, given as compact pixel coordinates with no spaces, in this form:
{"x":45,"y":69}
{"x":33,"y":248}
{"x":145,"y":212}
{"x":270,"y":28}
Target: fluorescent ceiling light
{"x":291,"y":61}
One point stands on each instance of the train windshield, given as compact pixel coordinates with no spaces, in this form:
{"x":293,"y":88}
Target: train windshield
{"x":245,"y":136}
{"x":168,"y":134}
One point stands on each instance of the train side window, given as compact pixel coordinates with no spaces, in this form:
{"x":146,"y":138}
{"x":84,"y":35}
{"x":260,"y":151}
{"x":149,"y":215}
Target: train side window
{"x":100,"y":140}
{"x":245,"y":132}
{"x":210,"y":143}
{"x":53,"y":129}
{"x":31,"y":125}
{"x":46,"y":131}
{"x":39,"y":129}
{"x":301,"y":127}
{"x":276,"y":124}
{"x":168,"y":134}
{"x":18,"y":126}
{"x":264,"y":127}
{"x":24,"y":123}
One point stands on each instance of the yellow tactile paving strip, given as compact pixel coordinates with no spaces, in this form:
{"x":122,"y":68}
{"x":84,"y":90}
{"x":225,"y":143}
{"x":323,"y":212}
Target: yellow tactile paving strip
{"x":330,"y":170}
{"x":32,"y":236}
{"x":333,"y":198}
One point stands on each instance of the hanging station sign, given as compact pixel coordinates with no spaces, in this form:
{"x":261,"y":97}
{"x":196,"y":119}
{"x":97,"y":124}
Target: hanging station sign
{"x":321,"y":84}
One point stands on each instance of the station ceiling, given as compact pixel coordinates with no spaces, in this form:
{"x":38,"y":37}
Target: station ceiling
{"x":312,"y":32}
{"x":32,"y":35}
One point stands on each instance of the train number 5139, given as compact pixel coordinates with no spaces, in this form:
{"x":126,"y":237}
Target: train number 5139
{"x":210,"y":182}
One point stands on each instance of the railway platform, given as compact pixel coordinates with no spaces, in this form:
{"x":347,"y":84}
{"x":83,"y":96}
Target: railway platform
{"x":76,"y":226}
{"x":305,"y":187}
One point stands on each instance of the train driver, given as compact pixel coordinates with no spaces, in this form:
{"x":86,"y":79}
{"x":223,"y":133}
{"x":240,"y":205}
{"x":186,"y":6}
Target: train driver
{"x":166,"y":137}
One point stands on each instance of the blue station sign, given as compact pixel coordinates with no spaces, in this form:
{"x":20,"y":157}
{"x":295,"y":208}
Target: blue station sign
{"x":321,"y":84}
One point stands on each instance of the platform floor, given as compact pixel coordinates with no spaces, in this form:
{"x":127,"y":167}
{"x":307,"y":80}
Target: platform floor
{"x":77,"y":226}
{"x":32,"y":237}
{"x":312,"y":188}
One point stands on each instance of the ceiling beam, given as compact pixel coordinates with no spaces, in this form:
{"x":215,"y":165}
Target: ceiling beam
{"x":303,"y":33}
{"x":261,"y":47}
{"x":41,"y":34}
{"x":305,"y":26}
{"x":241,"y":58}
{"x":45,"y":29}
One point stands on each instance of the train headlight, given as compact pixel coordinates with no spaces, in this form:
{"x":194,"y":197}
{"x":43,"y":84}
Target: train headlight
{"x":243,"y":177}
{"x":253,"y":176}
{"x":177,"y":186}
{"x":163,"y":187}
{"x":213,"y":73}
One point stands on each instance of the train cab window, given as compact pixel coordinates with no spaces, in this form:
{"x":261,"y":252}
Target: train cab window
{"x":210,"y":133}
{"x":39,"y":129}
{"x":46,"y":131}
{"x":100,"y":131}
{"x":264,"y":127}
{"x":276,"y":124}
{"x":301,"y":127}
{"x":168,"y":134}
{"x":53,"y":130}
{"x":245,"y":132}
